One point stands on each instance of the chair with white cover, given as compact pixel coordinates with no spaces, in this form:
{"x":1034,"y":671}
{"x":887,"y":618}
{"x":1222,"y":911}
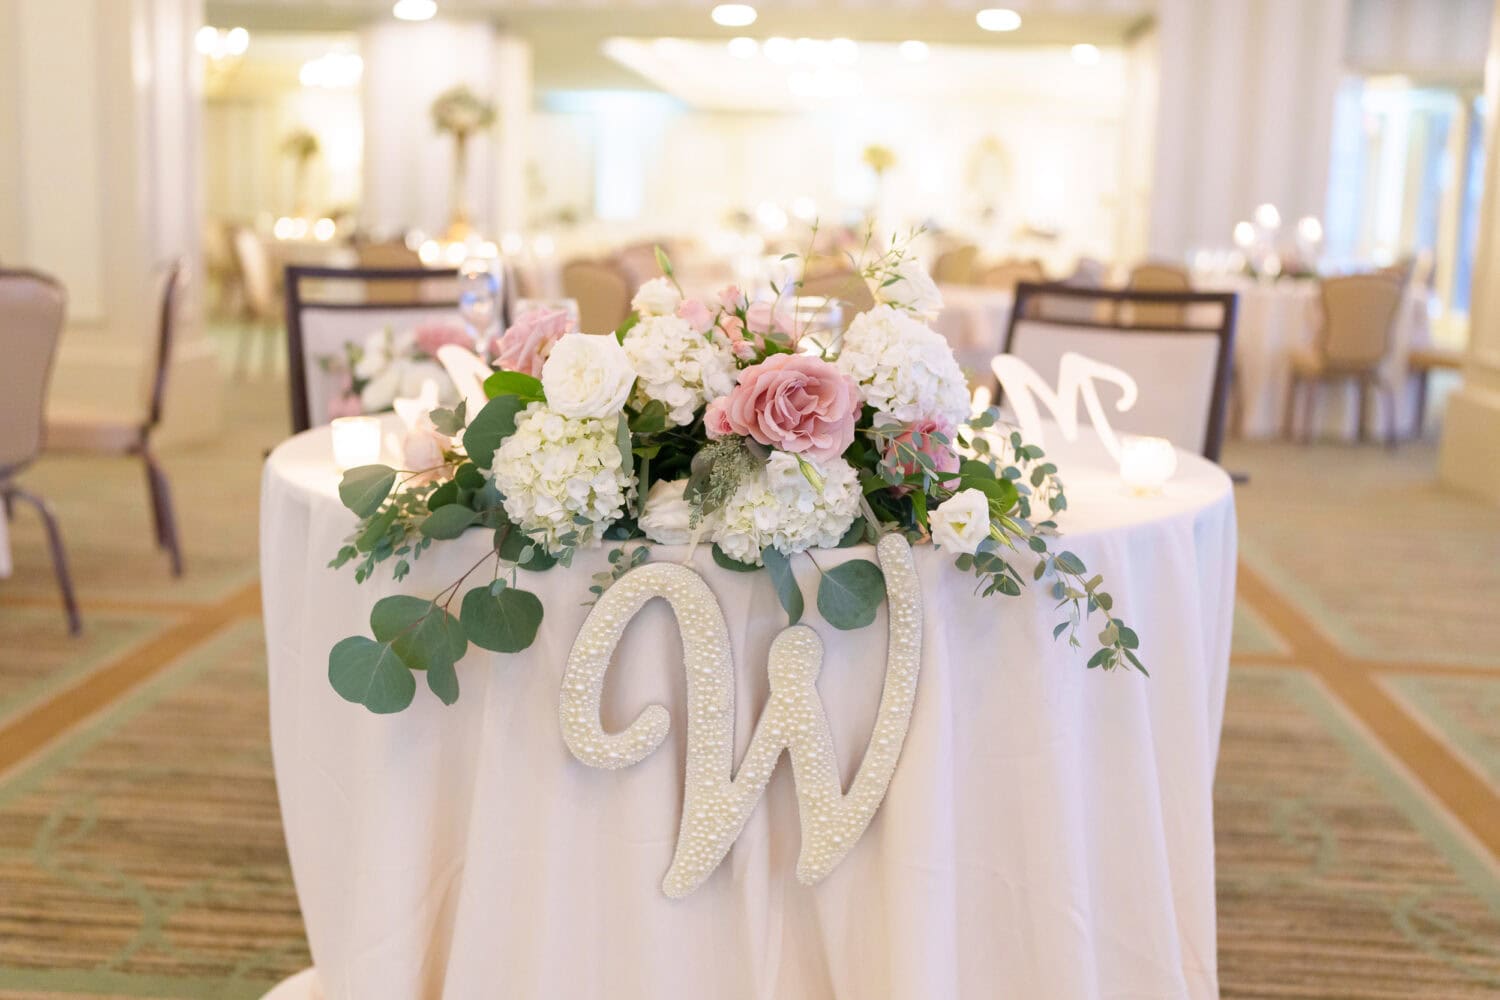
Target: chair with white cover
{"x":128,"y":431}
{"x":1354,"y":344}
{"x":32,"y":307}
{"x":329,"y":308}
{"x":1182,"y":371}
{"x":602,"y":290}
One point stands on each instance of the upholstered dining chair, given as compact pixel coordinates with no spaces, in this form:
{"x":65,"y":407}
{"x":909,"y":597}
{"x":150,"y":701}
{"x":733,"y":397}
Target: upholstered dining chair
{"x":32,"y":307}
{"x":128,"y":432}
{"x":1155,"y":276}
{"x":602,"y":290}
{"x":1009,"y":273}
{"x":1354,"y":344}
{"x":1182,"y":371}
{"x":839,"y":283}
{"x":260,"y":313}
{"x":955,"y":266}
{"x":328,"y":308}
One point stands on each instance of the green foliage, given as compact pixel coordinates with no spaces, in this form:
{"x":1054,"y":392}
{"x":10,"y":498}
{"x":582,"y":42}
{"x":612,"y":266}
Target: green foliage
{"x":364,"y":488}
{"x":849,"y":595}
{"x":734,"y":565}
{"x":506,"y":622}
{"x":449,"y":422}
{"x":620,"y":563}
{"x":491,"y":426}
{"x":785,"y":581}
{"x":717,"y":472}
{"x":525,"y":387}
{"x":369,"y":673}
{"x":448,"y":522}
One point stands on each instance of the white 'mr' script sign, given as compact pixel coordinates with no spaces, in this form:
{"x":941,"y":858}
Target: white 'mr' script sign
{"x":716,"y":800}
{"x":1022,"y":387}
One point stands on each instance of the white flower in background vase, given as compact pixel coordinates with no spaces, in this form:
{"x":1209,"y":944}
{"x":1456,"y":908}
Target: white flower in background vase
{"x":903,"y":367}
{"x":908,"y":286}
{"x":962,"y":522}
{"x":667,"y":517}
{"x":782,"y":508}
{"x":563,"y":479}
{"x":678,"y":366}
{"x":403,"y":378}
{"x":657,"y":297}
{"x":587,"y":376}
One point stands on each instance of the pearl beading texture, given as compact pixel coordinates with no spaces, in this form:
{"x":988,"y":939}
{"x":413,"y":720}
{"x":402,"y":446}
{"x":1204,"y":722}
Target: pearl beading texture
{"x":716,"y":801}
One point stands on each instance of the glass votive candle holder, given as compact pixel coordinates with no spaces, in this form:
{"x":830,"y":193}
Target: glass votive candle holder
{"x":356,"y":441}
{"x":1146,"y":463}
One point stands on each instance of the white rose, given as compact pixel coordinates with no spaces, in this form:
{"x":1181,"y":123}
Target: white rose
{"x":962,"y":522}
{"x":587,"y":375}
{"x":913,"y":290}
{"x":668,"y":516}
{"x":657,"y":297}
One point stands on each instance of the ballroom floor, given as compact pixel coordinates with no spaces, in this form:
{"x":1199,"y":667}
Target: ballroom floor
{"x":1358,"y":797}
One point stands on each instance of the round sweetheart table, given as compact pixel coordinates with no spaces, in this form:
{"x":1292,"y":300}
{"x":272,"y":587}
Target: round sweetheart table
{"x":1048,"y":831}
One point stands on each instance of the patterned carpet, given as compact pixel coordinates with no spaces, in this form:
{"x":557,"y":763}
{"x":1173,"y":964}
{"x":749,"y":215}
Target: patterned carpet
{"x":1358,"y":797}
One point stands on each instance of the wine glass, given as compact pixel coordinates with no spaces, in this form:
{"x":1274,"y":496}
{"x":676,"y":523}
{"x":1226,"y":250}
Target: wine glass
{"x":819,"y":322}
{"x":479,"y":297}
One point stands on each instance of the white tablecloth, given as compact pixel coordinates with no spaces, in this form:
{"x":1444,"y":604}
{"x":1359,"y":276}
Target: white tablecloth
{"x":5,"y":563}
{"x":1275,"y":318}
{"x":1048,"y":832}
{"x":973,"y":321}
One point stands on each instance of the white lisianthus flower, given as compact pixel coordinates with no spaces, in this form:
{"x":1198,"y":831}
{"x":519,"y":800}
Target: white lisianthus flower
{"x":657,"y":297}
{"x":913,"y":289}
{"x":403,"y":378}
{"x":782,"y":508}
{"x":563,"y":479}
{"x":903,"y":368}
{"x":678,"y":366}
{"x":667,"y":518}
{"x":962,"y":522}
{"x":587,"y":376}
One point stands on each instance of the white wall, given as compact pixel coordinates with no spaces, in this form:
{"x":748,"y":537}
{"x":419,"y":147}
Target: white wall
{"x":1443,"y":39}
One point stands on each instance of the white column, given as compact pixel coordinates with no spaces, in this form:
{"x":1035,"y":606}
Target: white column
{"x":408,"y":164}
{"x":1471,"y":426}
{"x":513,"y":97}
{"x":99,"y":108}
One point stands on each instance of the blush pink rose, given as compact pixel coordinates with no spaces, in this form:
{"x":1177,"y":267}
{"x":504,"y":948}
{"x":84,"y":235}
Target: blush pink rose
{"x":766,"y":317}
{"x":731,"y":298}
{"x":797,"y":403}
{"x":918,"y":437}
{"x":524,"y":346}
{"x":696,"y":314}
{"x":716,"y":419}
{"x":435,"y":335}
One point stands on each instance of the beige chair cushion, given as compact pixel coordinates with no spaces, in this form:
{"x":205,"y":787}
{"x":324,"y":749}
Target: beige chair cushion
{"x":74,"y":428}
{"x":1307,"y":362}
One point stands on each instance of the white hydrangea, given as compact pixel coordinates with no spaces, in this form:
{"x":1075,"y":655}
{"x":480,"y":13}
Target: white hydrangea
{"x":781,"y":507}
{"x":657,"y":297}
{"x":903,"y":368}
{"x":555,"y":470}
{"x":677,"y":365}
{"x":908,"y":286}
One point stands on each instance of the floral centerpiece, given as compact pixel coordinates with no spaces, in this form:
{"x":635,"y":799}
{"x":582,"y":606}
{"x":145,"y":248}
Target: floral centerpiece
{"x":370,"y":375}
{"x":461,"y":113}
{"x":708,"y":423}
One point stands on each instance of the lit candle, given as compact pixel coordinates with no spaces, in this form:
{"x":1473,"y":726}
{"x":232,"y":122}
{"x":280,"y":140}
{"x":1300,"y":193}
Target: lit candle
{"x":1146,"y":463}
{"x":356,"y":441}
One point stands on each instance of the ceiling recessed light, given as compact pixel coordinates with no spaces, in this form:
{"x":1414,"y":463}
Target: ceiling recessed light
{"x":1086,"y":55}
{"x":912,"y":50}
{"x":744,"y":48}
{"x":414,"y":10}
{"x":998,"y":19}
{"x":733,"y":15}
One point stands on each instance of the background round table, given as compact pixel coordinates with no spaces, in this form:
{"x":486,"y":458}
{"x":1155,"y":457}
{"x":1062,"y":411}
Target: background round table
{"x":1048,"y":832}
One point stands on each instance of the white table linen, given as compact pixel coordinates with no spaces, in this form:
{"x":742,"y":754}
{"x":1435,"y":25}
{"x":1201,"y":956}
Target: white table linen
{"x":1048,"y":832}
{"x":1273,"y":319}
{"x":5,"y":559}
{"x":973,"y":321}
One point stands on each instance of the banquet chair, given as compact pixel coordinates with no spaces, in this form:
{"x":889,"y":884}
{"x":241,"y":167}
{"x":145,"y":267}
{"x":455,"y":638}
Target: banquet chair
{"x":956,"y":266}
{"x":1088,"y":272}
{"x":1182,"y":371}
{"x":113,"y":433}
{"x":259,"y":309}
{"x":1157,"y":277}
{"x":840,"y":284}
{"x":328,"y":308}
{"x":1354,"y":344}
{"x":602,"y":290}
{"x":32,"y":307}
{"x":1009,"y":273}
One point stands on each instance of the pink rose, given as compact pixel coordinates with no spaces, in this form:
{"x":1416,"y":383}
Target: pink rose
{"x":796,"y":403}
{"x":767,"y":317}
{"x":716,"y":419}
{"x":524,"y":346}
{"x":435,"y":335}
{"x":918,"y":437}
{"x":697,"y":315}
{"x":346,"y":404}
{"x":731,"y":298}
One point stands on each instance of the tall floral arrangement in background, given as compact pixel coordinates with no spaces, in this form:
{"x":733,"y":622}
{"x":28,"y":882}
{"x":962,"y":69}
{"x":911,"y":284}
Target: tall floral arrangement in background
{"x":461,"y":113}
{"x":717,"y":423}
{"x":302,"y":146}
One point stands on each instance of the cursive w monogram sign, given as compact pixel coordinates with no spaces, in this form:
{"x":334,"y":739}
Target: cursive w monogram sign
{"x":717,"y":801}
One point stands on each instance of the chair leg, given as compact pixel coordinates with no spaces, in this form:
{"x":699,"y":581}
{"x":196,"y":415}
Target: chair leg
{"x":1389,"y":392}
{"x":1363,"y":433}
{"x":1289,"y":420}
{"x":162,"y":511}
{"x":59,"y":555}
{"x":1419,"y":419}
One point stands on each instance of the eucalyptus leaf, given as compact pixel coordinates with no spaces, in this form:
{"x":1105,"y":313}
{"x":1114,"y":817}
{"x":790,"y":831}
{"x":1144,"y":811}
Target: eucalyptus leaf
{"x":490,"y":426}
{"x":365,"y":487}
{"x":369,"y":673}
{"x":849,"y":595}
{"x":423,"y":635}
{"x":442,"y":680}
{"x":513,"y":545}
{"x":787,"y":589}
{"x":732,"y":564}
{"x":506,"y":622}
{"x":527,"y":387}
{"x":448,"y":522}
